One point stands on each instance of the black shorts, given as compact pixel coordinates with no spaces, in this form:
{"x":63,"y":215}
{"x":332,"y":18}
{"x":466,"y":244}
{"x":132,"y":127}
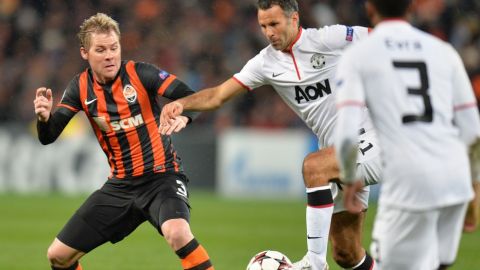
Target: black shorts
{"x":120,"y":206}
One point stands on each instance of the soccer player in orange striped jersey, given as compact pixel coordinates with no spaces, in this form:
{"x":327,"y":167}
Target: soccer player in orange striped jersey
{"x":147,"y":180}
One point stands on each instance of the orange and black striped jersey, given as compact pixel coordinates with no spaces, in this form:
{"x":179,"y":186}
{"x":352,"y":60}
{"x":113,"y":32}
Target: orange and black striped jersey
{"x":124,"y":115}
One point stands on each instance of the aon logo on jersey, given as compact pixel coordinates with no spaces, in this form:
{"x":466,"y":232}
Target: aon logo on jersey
{"x":126,"y":123}
{"x":312,"y":92}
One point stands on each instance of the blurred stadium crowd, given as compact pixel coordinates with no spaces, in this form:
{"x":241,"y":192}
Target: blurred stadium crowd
{"x":203,"y":42}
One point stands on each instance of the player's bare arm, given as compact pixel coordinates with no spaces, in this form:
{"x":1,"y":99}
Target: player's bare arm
{"x":203,"y":100}
{"x":43,"y":103}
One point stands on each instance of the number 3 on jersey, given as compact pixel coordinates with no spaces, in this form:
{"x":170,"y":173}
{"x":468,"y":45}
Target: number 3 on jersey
{"x":422,"y":91}
{"x":181,"y":189}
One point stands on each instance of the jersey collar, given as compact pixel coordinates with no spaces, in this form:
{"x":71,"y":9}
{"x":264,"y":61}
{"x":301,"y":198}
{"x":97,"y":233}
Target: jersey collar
{"x":299,"y":34}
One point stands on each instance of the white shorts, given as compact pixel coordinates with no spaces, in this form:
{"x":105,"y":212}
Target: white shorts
{"x":369,"y":170}
{"x":413,"y":240}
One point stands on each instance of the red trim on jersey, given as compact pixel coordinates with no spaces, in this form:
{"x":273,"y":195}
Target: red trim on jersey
{"x":321,"y":206}
{"x":165,"y":84}
{"x":290,"y":51}
{"x":132,"y":137}
{"x":465,"y":106}
{"x":242,"y":84}
{"x":350,"y":103}
{"x":369,"y":29}
{"x":295,"y":63}
{"x":147,"y":112}
{"x":300,"y":30}
{"x":68,"y":107}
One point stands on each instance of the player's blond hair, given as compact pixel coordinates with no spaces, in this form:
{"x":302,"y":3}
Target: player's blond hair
{"x":98,"y":23}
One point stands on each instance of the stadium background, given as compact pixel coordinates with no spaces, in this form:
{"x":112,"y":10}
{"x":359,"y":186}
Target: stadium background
{"x":203,"y":42}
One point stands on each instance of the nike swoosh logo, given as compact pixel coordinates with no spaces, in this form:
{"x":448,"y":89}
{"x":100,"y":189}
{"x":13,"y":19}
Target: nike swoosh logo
{"x":276,"y":75}
{"x":313,"y":237}
{"x":88,"y":102}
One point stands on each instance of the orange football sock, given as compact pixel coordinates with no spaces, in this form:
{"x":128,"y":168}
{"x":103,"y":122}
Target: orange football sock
{"x":75,"y":266}
{"x":194,"y":257}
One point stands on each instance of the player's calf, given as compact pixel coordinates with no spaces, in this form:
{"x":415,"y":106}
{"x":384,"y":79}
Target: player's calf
{"x":345,"y":236}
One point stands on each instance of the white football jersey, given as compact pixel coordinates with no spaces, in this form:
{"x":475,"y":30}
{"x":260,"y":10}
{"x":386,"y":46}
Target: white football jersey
{"x":303,"y":76}
{"x":423,"y":108}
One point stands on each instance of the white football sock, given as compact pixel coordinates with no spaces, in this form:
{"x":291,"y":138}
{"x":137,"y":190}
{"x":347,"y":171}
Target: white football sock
{"x":319,"y":216}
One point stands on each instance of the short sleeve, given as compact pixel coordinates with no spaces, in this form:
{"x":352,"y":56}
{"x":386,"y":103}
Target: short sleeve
{"x":156,"y":81}
{"x":463,"y":92}
{"x":340,"y":36}
{"x":349,"y":85}
{"x":251,"y":75}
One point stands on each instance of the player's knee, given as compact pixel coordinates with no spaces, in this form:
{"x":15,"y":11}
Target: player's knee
{"x":58,"y":259}
{"x":314,"y":174}
{"x":177,"y":233}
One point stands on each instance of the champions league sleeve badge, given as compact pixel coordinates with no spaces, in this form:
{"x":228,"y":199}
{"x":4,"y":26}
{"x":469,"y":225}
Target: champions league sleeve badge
{"x":317,"y":61}
{"x":129,"y":93}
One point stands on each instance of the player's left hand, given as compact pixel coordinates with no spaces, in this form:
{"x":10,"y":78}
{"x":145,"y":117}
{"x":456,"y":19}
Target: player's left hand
{"x":473,"y":211}
{"x":350,"y":200}
{"x":173,"y":125}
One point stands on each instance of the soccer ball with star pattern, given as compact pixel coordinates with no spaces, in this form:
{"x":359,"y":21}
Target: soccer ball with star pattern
{"x":269,"y":260}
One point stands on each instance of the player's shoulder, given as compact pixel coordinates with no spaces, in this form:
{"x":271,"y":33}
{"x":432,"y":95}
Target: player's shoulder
{"x":267,"y":54}
{"x":336,"y":35}
{"x":74,"y":83}
{"x":436,"y":45}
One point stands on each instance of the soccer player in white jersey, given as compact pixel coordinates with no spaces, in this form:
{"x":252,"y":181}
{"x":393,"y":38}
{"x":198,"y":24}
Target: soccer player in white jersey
{"x":424,"y":110}
{"x":300,"y":65}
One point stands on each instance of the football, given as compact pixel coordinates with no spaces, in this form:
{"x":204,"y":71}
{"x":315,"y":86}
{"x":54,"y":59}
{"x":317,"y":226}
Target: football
{"x":269,"y":260}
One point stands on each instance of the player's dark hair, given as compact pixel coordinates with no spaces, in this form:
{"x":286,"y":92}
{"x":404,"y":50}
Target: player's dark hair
{"x":288,"y":6}
{"x":391,"y":8}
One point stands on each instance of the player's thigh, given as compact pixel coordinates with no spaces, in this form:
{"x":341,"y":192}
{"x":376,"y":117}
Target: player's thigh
{"x":338,"y":196}
{"x":320,"y":167}
{"x":346,"y":233}
{"x":102,"y":217}
{"x":450,"y":225}
{"x":170,"y":201}
{"x":405,"y":240}
{"x":369,"y":170}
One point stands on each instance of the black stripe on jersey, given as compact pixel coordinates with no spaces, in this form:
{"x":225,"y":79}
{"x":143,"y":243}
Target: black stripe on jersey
{"x":170,"y":93}
{"x":92,"y":107}
{"x":142,"y":131}
{"x":121,"y":137}
{"x":93,"y":110}
{"x":112,"y":156}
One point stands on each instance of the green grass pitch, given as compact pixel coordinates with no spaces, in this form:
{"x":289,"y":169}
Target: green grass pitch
{"x":231,"y":230}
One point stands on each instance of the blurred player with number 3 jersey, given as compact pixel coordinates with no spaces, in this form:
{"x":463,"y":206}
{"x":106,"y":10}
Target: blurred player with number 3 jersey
{"x":300,"y":65}
{"x":147,"y":181}
{"x":424,"y":110}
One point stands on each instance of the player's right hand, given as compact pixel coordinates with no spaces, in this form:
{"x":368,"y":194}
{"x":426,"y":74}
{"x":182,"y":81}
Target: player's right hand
{"x":170,"y":112}
{"x":350,"y":200}
{"x":43,"y":103}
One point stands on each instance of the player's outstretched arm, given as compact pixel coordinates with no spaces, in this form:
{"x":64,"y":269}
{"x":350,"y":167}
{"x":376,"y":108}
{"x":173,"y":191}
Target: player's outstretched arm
{"x":43,"y":103}
{"x":203,"y":100}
